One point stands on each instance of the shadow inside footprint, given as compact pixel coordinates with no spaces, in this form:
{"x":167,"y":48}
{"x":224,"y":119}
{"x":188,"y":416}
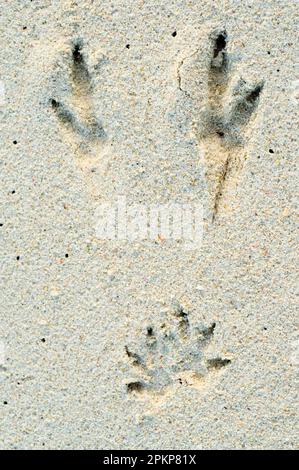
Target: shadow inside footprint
{"x":80,"y":74}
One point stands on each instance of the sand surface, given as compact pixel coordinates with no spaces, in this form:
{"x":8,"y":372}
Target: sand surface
{"x":148,"y":342}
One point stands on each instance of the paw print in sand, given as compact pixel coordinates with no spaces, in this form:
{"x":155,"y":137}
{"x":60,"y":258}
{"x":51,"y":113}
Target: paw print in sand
{"x":226,"y":115}
{"x":76,"y":114}
{"x":172,"y":354}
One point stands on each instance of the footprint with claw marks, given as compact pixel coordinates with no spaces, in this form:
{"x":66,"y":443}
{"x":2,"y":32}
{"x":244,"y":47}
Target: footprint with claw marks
{"x":172,"y":354}
{"x":77,"y":116}
{"x":223,"y":122}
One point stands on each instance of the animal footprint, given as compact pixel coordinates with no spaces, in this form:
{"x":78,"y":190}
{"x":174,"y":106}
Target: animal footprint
{"x":223,"y":122}
{"x":83,"y":128}
{"x":172,"y":354}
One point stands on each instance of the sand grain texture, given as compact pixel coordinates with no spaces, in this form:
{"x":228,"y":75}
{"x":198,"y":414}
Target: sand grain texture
{"x":143,"y":344}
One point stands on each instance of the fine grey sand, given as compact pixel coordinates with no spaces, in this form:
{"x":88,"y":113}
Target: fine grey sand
{"x":148,"y":342}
